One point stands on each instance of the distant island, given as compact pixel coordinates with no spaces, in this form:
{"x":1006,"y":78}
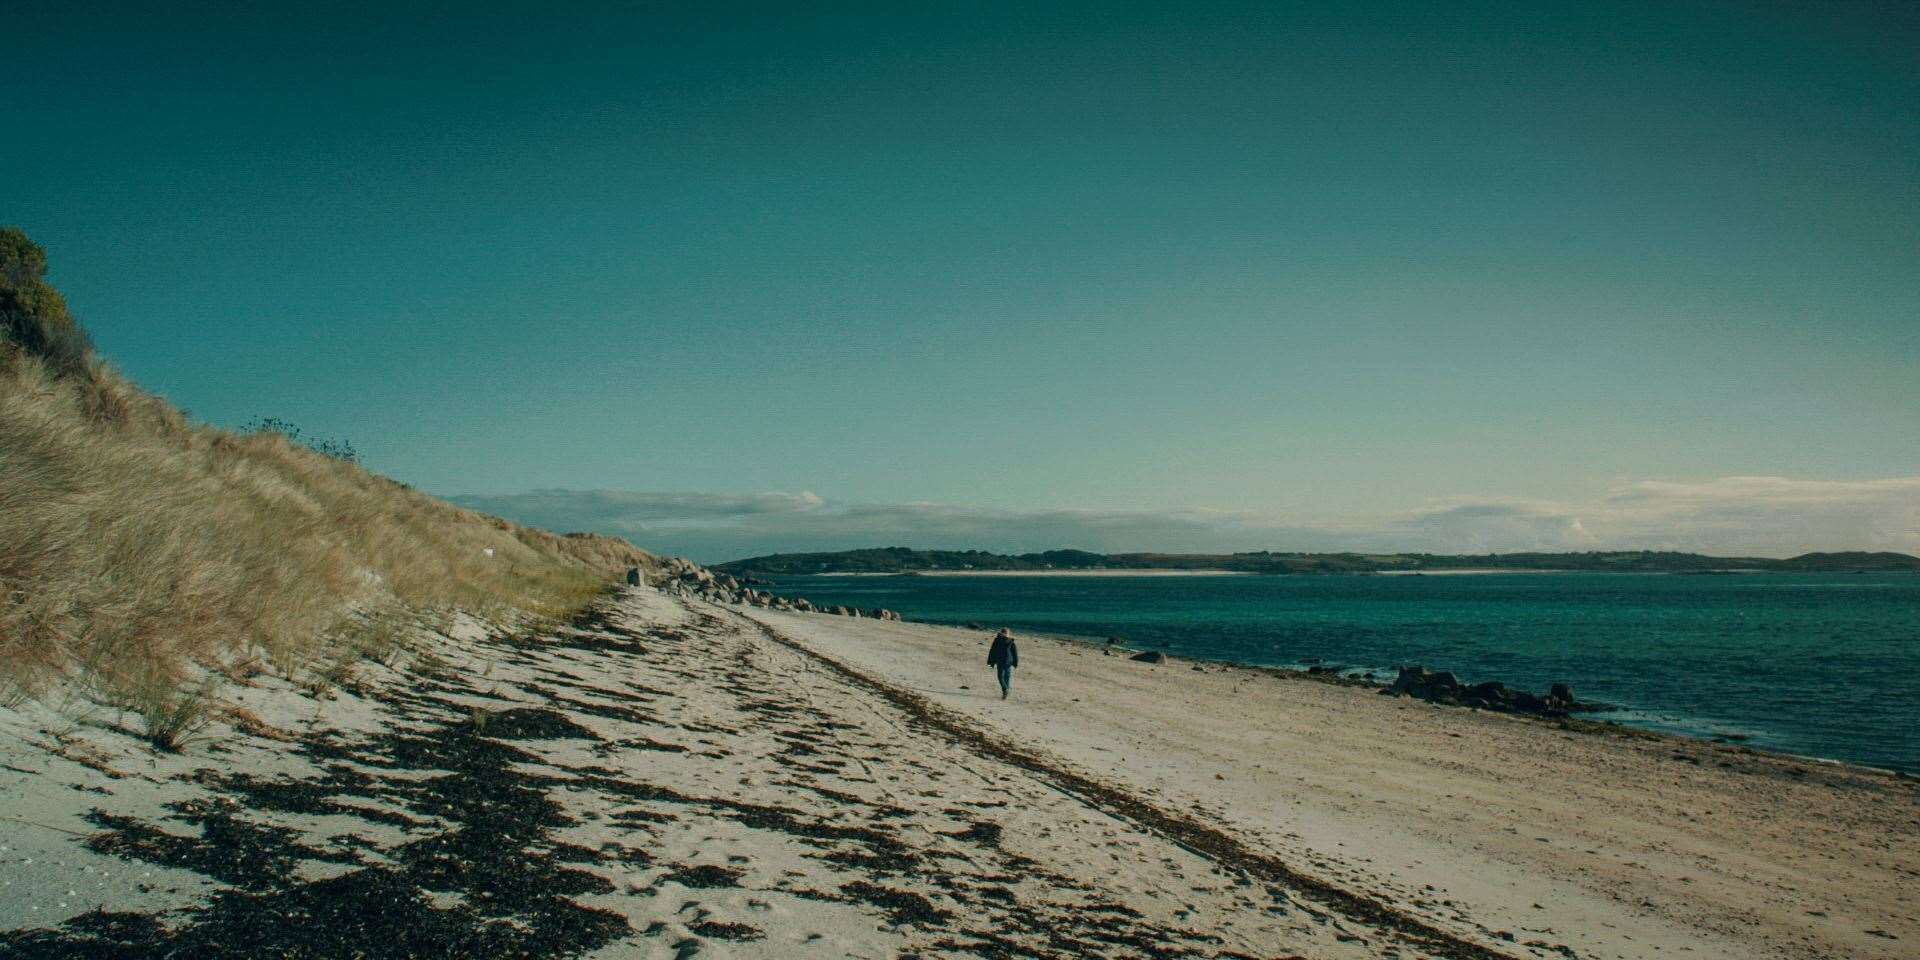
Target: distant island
{"x":904,"y":560}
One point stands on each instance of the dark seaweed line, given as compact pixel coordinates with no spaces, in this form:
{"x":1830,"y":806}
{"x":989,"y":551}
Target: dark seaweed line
{"x":1198,"y":838}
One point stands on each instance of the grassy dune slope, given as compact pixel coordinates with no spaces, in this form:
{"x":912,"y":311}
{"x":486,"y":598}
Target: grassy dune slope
{"x":133,"y":543}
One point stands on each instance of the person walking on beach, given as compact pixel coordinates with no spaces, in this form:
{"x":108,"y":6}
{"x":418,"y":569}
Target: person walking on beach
{"x":1003,"y":657}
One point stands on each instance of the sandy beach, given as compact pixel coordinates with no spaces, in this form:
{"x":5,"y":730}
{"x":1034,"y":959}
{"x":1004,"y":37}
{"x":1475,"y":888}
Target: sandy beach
{"x":1618,"y":844}
{"x":677,"y":778}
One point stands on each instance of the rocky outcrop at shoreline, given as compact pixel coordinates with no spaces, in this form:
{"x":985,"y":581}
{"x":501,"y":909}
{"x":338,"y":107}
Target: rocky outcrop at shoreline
{"x":1443,"y":687}
{"x":689,"y":580}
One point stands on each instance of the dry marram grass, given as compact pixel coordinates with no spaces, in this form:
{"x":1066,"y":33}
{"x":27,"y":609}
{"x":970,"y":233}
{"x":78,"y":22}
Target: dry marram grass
{"x":133,"y":543}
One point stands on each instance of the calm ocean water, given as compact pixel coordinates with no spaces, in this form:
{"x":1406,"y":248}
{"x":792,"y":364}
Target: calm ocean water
{"x":1824,"y":665}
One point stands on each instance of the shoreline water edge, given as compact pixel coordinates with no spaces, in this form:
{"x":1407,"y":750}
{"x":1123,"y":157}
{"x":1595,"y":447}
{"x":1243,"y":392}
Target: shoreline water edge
{"x":1722,"y":841}
{"x":1435,"y":682}
{"x":1582,"y":716}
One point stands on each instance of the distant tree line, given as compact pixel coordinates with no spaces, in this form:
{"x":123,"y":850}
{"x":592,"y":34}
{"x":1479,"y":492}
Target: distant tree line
{"x":905,"y":560}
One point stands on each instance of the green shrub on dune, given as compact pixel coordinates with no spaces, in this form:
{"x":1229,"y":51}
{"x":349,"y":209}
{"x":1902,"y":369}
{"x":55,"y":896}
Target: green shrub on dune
{"x":33,"y":316}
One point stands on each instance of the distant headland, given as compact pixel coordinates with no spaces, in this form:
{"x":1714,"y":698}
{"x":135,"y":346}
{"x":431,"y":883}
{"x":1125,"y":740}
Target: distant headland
{"x":904,"y":560}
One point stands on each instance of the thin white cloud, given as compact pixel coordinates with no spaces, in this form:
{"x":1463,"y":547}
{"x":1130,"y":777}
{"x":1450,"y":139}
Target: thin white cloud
{"x":1770,"y":490}
{"x":1746,"y":516}
{"x":1732,"y":516}
{"x":1491,"y":527}
{"x":630,"y":511}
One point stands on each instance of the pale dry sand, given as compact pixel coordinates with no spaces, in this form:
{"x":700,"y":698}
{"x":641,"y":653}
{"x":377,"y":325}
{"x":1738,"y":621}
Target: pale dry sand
{"x":678,"y":779}
{"x":1617,"y":845}
{"x":668,"y":781}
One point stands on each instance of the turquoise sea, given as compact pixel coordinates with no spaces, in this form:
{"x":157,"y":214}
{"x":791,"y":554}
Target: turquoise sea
{"x":1822,"y":665}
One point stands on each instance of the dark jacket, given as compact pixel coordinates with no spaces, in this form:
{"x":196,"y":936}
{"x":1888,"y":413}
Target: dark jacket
{"x":1004,"y":651}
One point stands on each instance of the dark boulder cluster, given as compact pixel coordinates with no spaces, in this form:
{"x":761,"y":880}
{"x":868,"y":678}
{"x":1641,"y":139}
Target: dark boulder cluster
{"x":877,"y":613}
{"x":687,"y":579}
{"x":1443,"y":687}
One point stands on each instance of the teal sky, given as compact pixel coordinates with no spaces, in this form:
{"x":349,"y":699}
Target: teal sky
{"x":1294,"y":264}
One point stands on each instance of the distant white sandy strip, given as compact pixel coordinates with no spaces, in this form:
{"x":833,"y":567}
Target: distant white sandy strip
{"x":1511,"y":570}
{"x":1048,"y":573}
{"x":1472,"y":572}
{"x":1466,"y":573}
